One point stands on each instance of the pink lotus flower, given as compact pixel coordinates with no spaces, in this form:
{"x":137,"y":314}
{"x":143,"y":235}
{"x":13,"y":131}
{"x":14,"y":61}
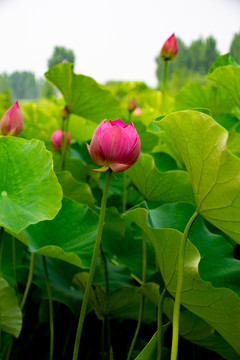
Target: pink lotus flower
{"x":12,"y":121}
{"x":114,"y":145}
{"x":137,"y":111}
{"x":170,"y":48}
{"x":57,"y":137}
{"x":132,"y":105}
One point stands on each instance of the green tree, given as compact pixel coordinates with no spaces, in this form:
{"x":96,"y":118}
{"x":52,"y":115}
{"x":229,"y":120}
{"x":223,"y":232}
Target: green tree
{"x":210,"y":53}
{"x":235,"y":47}
{"x":24,"y":85}
{"x":47,"y":89}
{"x":61,"y":54}
{"x":5,"y":82}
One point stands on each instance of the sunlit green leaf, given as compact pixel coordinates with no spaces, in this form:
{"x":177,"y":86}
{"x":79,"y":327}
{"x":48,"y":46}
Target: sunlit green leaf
{"x":222,"y":60}
{"x":170,"y":186}
{"x":29,"y":190}
{"x":219,"y":307}
{"x":74,"y":229}
{"x":210,"y":96}
{"x":10,"y":313}
{"x":83,"y":95}
{"x":214,"y":172}
{"x":229,"y":78}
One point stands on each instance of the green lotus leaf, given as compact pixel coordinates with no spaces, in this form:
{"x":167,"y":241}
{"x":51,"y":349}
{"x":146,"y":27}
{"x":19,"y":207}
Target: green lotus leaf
{"x":29,"y":190}
{"x":210,"y":96}
{"x":83,"y":95}
{"x":169,"y":186}
{"x":75,"y":190}
{"x":229,"y":78}
{"x":69,"y":237}
{"x":219,"y":307}
{"x":201,"y":145}
{"x":222,"y":60}
{"x":10,"y":313}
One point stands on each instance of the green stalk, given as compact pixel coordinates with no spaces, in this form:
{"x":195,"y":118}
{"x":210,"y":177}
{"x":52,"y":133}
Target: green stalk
{"x":106,"y":319}
{"x":124,"y":193}
{"x":14,"y":262}
{"x":29,"y":281}
{"x":24,"y":298}
{"x":93,"y":265}
{"x":164,"y":85}
{"x":159,"y":324}
{"x":1,"y":236}
{"x":50,"y":300}
{"x":141,"y":306}
{"x":65,"y":123}
{"x":177,"y":303}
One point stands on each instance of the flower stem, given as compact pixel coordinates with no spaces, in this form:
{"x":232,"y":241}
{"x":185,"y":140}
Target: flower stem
{"x":1,"y":246}
{"x":14,"y":262}
{"x":50,"y":300}
{"x":24,"y":298}
{"x":164,"y":85}
{"x":124,"y":193}
{"x":106,"y":319}
{"x":176,"y":309}
{"x":141,"y":306}
{"x":93,"y":265}
{"x":29,"y":281}
{"x":65,"y":123}
{"x":159,"y":324}
{"x":1,"y":236}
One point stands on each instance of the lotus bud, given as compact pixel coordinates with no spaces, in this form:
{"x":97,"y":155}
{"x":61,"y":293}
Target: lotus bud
{"x":12,"y":121}
{"x":114,"y":145}
{"x":132,"y":105}
{"x":65,"y":112}
{"x":170,"y":49}
{"x":57,"y":137}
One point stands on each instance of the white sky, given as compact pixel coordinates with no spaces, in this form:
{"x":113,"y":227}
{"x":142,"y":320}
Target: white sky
{"x":112,"y":40}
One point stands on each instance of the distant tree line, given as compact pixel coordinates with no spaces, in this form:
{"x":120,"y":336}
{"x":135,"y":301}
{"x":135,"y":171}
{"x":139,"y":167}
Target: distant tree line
{"x":193,"y":61}
{"x":24,"y":84}
{"x":21,"y":85}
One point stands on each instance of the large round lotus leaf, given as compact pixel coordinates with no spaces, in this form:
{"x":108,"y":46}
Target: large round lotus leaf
{"x":29,"y":189}
{"x":10,"y":313}
{"x":83,"y":95}
{"x":200,"y":144}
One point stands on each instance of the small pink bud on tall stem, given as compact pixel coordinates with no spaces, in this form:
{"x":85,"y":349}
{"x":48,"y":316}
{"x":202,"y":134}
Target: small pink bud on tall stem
{"x":57,"y":138}
{"x":132,"y":105}
{"x":170,"y":48}
{"x":65,"y":112}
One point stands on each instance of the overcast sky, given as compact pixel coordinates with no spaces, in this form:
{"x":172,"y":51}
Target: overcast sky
{"x":112,"y":40}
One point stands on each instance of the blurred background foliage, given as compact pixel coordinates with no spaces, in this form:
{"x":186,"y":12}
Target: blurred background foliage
{"x":191,"y":64}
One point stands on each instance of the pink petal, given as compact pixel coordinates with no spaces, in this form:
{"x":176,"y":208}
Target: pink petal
{"x":118,"y":122}
{"x":134,"y":152}
{"x":101,"y":126}
{"x":115,"y":144}
{"x":95,"y":150}
{"x":132,"y":132}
